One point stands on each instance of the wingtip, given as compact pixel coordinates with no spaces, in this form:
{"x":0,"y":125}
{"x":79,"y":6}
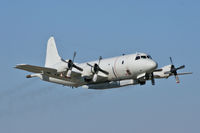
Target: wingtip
{"x":18,"y":65}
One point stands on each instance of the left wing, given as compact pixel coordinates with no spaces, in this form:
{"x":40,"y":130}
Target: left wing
{"x":45,"y":70}
{"x":35,"y":69}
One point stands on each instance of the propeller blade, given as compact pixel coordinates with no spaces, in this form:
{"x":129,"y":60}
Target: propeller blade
{"x":171,"y":60}
{"x":152,"y":79}
{"x":89,"y":65}
{"x":77,"y":67}
{"x":74,"y":56}
{"x":94,"y":79}
{"x":69,"y":72}
{"x":64,"y":60}
{"x":181,"y":67}
{"x":177,"y":79}
{"x":103,"y":71}
{"x":100,"y":58}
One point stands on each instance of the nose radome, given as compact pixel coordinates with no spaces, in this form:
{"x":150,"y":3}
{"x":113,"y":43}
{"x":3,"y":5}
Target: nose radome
{"x":154,"y":65}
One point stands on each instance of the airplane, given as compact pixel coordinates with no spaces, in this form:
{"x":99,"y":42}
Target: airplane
{"x":107,"y":73}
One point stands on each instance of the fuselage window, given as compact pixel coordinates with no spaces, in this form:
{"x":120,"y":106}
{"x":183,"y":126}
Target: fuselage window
{"x":137,"y":58}
{"x":143,"y":57}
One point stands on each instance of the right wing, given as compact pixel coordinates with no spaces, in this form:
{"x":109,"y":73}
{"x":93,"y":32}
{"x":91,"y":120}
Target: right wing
{"x":184,"y":73}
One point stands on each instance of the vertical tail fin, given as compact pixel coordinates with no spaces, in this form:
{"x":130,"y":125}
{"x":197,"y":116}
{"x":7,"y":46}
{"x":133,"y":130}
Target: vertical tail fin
{"x":52,"y":56}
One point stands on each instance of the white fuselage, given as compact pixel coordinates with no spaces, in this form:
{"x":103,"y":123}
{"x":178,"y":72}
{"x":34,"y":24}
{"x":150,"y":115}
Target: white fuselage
{"x":120,"y":68}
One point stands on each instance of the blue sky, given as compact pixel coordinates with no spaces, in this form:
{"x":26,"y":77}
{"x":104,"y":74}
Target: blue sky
{"x":93,"y":28}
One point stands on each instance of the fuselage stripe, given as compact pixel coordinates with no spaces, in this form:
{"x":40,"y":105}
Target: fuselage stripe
{"x":115,"y":70}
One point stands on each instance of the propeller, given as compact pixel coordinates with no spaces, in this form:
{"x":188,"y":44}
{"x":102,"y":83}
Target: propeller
{"x":152,"y":79}
{"x":150,"y":76}
{"x":173,"y":70}
{"x":70,"y":65}
{"x":96,"y":69}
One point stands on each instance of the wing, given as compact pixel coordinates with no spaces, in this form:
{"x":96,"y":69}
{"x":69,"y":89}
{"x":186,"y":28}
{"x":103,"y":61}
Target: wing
{"x":44,"y":70}
{"x":35,"y":69}
{"x":184,"y":73}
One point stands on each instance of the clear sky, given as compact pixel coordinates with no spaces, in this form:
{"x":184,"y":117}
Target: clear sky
{"x":108,"y":28}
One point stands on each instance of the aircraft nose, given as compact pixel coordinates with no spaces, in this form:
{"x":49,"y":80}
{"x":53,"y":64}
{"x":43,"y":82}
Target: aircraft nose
{"x":153,"y":65}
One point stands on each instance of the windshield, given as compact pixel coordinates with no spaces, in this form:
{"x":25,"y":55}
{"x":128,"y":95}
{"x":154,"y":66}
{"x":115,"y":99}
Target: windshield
{"x":143,"y":57}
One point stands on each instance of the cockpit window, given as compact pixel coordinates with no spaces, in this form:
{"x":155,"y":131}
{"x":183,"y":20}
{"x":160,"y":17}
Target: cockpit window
{"x":143,"y":57}
{"x":148,"y":56}
{"x":137,"y":58}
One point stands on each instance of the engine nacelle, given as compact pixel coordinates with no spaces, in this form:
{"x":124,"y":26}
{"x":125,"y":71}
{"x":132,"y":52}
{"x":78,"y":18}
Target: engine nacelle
{"x":162,"y":74}
{"x":62,"y":69}
{"x":111,"y":84}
